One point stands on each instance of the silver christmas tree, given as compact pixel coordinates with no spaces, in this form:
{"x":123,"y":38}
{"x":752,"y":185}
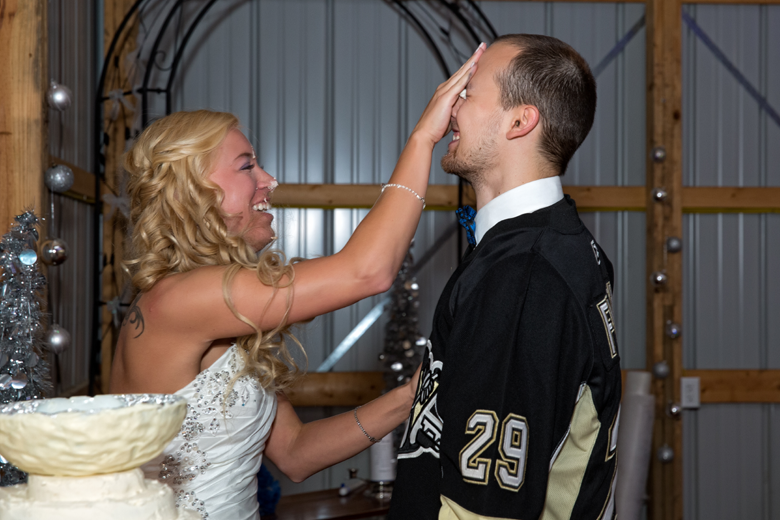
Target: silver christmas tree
{"x":404,"y":344}
{"x":24,"y":374}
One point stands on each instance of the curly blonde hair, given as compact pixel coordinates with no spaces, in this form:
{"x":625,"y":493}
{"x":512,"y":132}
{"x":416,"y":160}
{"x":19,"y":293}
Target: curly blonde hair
{"x":178,"y":225}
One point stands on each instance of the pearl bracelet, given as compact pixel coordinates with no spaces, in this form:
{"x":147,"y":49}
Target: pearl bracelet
{"x":410,"y":190}
{"x":361,"y":427}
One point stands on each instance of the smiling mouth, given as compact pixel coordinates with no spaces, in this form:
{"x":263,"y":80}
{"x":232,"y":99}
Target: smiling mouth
{"x":262,"y":206}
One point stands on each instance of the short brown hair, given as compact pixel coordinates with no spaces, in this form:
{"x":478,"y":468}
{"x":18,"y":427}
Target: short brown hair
{"x":550,"y":75}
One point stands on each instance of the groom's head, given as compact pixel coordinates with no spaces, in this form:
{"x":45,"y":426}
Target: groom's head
{"x":531,"y":93}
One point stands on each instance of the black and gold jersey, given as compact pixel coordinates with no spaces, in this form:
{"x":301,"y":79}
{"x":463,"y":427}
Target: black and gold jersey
{"x":517,"y":409}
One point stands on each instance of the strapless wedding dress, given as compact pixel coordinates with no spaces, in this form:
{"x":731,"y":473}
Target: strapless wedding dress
{"x":212,"y":463}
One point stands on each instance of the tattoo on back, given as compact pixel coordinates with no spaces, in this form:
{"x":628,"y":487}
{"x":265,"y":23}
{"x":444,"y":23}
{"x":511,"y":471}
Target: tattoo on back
{"x":135,"y":317}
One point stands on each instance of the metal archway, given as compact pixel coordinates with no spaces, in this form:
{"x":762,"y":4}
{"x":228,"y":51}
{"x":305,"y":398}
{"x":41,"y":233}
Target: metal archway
{"x":467,"y":14}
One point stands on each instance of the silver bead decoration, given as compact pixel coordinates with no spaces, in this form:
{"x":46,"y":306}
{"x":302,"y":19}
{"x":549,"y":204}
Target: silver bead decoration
{"x":672,"y":330}
{"x":673,"y":244}
{"x":659,"y":278}
{"x":59,"y":96}
{"x":57,"y":339}
{"x":32,"y":359}
{"x":660,"y":194}
{"x":54,"y":251}
{"x":665,"y":454}
{"x":658,"y":154}
{"x":661,"y":370}
{"x":674,"y":410}
{"x":59,"y":178}
{"x":5,"y":381}
{"x":28,"y":257}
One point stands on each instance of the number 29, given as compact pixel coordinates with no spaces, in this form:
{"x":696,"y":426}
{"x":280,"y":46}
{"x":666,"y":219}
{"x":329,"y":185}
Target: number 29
{"x":513,"y":449}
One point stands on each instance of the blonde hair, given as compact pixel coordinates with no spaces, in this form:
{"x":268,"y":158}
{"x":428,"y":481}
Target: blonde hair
{"x":178,"y":225}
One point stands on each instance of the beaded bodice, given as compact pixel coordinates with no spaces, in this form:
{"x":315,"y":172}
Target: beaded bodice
{"x":213,"y":462}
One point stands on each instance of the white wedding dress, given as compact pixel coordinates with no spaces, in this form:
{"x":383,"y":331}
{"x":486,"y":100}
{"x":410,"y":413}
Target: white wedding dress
{"x":212,"y":463}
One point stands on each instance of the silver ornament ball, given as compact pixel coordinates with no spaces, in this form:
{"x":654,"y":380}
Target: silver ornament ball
{"x":54,"y":251}
{"x":661,"y":370}
{"x":673,"y":244}
{"x":665,"y":454}
{"x":57,"y":339}
{"x":59,"y":178}
{"x":659,"y":278}
{"x":658,"y":154}
{"x":659,"y":194}
{"x":397,"y":366}
{"x":28,"y":257}
{"x":674,"y":410}
{"x":673,"y":330}
{"x":59,"y":96}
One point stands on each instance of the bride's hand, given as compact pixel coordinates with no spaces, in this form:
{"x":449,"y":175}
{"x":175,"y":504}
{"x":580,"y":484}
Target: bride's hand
{"x":434,"y":123}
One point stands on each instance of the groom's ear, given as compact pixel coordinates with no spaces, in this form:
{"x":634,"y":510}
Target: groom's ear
{"x":524,"y":119}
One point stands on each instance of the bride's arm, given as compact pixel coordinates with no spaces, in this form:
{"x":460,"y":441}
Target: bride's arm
{"x":301,"y":450}
{"x":193,"y":303}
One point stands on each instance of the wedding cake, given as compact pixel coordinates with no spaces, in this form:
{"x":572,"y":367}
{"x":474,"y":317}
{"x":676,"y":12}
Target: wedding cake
{"x":83,"y":456}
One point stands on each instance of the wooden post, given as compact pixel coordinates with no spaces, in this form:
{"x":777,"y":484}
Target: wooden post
{"x":664,"y":219}
{"x":114,"y":228}
{"x":23,"y":109}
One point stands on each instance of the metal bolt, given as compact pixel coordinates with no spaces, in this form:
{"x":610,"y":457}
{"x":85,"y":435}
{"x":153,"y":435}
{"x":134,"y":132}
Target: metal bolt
{"x":659,"y":278}
{"x":661,"y":370}
{"x":673,"y":330}
{"x":673,"y":244}
{"x":674,"y":410}
{"x":658,"y":154}
{"x":665,"y":454}
{"x":659,"y":194}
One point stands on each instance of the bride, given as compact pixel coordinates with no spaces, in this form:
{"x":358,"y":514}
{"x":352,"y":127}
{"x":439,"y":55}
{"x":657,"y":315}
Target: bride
{"x":214,"y":305}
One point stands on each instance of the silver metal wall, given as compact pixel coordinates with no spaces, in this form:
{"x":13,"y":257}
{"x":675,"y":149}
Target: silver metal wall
{"x":731,"y":287}
{"x":328,"y":91}
{"x":72,"y":58}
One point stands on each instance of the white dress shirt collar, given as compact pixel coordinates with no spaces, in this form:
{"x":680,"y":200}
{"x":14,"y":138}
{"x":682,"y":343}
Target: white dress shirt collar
{"x":526,"y":198}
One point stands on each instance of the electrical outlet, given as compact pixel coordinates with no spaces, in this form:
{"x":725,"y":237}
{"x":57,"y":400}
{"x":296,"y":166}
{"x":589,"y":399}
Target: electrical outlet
{"x":690,"y":392}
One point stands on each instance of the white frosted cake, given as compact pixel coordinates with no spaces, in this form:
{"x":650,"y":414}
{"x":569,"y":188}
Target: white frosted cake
{"x":83,"y":456}
{"x":116,"y":496}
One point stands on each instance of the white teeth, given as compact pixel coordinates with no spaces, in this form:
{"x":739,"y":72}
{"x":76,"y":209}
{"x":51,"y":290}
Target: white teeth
{"x":456,"y":138}
{"x":262,"y":206}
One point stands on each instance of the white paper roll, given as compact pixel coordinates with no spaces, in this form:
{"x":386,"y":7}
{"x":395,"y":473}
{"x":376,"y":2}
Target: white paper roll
{"x":383,"y":460}
{"x":634,"y":445}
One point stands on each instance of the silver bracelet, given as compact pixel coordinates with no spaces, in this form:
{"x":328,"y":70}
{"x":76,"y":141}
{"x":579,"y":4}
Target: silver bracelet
{"x":361,"y":427}
{"x":410,"y":190}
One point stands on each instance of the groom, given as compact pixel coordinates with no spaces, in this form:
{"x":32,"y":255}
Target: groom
{"x":516,"y":413}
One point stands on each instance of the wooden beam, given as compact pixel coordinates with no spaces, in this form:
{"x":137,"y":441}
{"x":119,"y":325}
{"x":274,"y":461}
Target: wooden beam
{"x":738,"y":386}
{"x":336,"y":389}
{"x":356,"y":388}
{"x":733,"y":2}
{"x":83,"y":188}
{"x":113,"y":229}
{"x":589,"y":198}
{"x":731,"y":200}
{"x":23,"y":109}
{"x":445,"y":197}
{"x":664,"y":219}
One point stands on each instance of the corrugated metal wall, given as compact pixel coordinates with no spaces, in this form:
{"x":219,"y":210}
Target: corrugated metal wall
{"x":328,"y":91}
{"x":731,"y":286}
{"x":72,"y":38}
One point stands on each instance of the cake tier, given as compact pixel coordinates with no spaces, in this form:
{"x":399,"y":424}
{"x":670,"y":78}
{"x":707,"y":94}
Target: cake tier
{"x":117,"y":496}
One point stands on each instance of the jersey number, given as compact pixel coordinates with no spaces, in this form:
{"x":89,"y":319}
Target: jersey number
{"x":513,"y":449}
